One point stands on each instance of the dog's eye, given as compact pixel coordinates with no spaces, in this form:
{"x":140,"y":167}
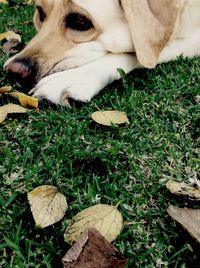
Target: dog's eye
{"x":78,"y":22}
{"x":41,"y":13}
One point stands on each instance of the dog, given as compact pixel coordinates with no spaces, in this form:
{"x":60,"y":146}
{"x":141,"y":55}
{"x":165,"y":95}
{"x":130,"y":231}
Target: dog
{"x":80,"y":44}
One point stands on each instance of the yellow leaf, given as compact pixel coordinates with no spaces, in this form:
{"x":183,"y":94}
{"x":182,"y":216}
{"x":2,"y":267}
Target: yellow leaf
{"x":10,"y":35}
{"x":5,"y":89}
{"x":109,"y":118}
{"x":181,"y":188}
{"x":24,"y":99}
{"x":106,"y":219}
{"x":28,"y":101}
{"x":48,"y":206}
{"x":14,"y":94}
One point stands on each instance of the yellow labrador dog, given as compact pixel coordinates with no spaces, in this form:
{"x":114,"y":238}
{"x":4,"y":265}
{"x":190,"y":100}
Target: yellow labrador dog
{"x":81,"y":43}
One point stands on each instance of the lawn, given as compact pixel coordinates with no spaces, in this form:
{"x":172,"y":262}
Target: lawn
{"x":91,"y":164}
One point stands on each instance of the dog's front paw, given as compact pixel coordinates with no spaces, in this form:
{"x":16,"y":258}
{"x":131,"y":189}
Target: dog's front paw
{"x":50,"y":88}
{"x":58,"y":88}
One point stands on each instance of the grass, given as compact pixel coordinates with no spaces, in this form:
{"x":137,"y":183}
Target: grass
{"x":93,"y":164}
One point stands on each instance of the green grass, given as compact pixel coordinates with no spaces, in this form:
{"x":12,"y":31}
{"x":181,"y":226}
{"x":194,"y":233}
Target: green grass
{"x":91,"y":164}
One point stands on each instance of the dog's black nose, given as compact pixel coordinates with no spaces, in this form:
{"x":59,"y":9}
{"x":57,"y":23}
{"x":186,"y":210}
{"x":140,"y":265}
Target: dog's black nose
{"x":22,"y":70}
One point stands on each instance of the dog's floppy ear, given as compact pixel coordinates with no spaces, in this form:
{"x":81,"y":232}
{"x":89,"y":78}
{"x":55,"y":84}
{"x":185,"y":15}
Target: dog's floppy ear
{"x":151,"y":23}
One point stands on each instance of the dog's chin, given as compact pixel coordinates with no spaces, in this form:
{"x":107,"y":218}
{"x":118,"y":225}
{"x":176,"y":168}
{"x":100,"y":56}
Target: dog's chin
{"x":27,"y":83}
{"x":24,"y":83}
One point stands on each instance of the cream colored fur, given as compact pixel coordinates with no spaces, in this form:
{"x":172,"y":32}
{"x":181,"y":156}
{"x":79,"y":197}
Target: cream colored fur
{"x":127,"y":34}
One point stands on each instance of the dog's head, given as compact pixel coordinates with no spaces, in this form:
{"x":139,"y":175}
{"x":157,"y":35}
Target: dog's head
{"x":75,"y":32}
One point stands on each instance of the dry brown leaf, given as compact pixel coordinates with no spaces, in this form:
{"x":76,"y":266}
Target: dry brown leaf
{"x":48,"y":206}
{"x":109,"y":118}
{"x":24,"y":99}
{"x":106,"y":219}
{"x":188,"y":218}
{"x":5,"y":89}
{"x":93,"y":250}
{"x":181,"y":188}
{"x":10,"y":35}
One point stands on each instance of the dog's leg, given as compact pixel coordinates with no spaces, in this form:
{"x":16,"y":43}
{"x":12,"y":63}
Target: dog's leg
{"x":84,"y":82}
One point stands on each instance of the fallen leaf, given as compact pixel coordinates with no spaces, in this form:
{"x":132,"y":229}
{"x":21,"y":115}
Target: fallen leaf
{"x":181,"y":188}
{"x":188,"y":218}
{"x":25,"y":100}
{"x":197,"y":99}
{"x":48,"y":206}
{"x":92,"y":250}
{"x":28,"y":101}
{"x":3,"y":2}
{"x":10,"y":109}
{"x":3,"y":116}
{"x":5,"y":89}
{"x":10,"y":35}
{"x":109,"y":118}
{"x":106,"y":219}
{"x":12,"y":46}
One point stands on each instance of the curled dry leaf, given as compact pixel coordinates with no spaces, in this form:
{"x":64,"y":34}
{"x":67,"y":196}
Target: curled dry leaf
{"x":10,"y":35}
{"x":106,"y":219}
{"x":48,"y":206}
{"x":188,"y":218}
{"x":25,"y":100}
{"x":109,"y":118}
{"x":10,"y":109}
{"x":181,"y":188}
{"x":5,"y":89}
{"x":93,"y":250}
